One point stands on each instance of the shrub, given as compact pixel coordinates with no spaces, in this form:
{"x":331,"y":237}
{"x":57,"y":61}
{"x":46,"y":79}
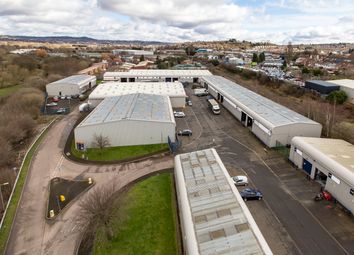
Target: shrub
{"x":338,"y":96}
{"x":7,"y":155}
{"x":35,"y":82}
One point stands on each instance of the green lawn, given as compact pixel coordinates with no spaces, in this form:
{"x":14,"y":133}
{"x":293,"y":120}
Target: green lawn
{"x":118,"y":153}
{"x":149,"y":222}
{"x":6,"y":227}
{"x":8,"y":90}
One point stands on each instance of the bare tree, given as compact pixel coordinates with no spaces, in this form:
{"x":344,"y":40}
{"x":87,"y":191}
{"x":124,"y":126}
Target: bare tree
{"x":100,"y":141}
{"x":97,"y":210}
{"x":289,"y":53}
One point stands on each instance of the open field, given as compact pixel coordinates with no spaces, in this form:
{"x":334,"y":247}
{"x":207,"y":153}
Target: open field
{"x":118,"y":153}
{"x":148,"y":224}
{"x":8,"y":90}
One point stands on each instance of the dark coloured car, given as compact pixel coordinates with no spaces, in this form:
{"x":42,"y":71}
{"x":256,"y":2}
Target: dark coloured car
{"x":251,"y":194}
{"x":185,"y":132}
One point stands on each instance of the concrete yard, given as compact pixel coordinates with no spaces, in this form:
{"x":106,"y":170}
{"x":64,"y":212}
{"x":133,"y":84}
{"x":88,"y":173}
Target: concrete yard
{"x":288,"y":217}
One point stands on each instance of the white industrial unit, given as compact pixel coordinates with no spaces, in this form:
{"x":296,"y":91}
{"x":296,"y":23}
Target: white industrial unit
{"x":274,"y":124}
{"x":328,"y":161}
{"x":132,"y":52}
{"x":214,"y":218}
{"x":347,"y":85}
{"x":174,"y":90}
{"x":133,"y":119}
{"x":72,"y":85}
{"x":158,"y":75}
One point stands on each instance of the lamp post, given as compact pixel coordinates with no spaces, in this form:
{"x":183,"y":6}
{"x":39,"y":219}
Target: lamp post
{"x":2,"y":199}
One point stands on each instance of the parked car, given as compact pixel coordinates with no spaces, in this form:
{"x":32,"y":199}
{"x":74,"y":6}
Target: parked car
{"x":82,"y":97}
{"x":62,"y":97}
{"x":68,"y":97}
{"x":52,"y":104}
{"x":75,"y":96}
{"x":179,"y":114}
{"x":189,"y":102}
{"x":185,"y":132}
{"x":240,"y":180}
{"x":55,"y":99}
{"x":251,"y":194}
{"x":61,"y":110}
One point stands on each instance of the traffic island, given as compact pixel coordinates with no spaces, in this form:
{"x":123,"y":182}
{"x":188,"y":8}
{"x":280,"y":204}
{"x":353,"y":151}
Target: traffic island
{"x":63,"y":192}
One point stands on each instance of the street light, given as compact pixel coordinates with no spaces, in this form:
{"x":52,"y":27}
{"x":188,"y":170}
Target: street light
{"x":2,"y":199}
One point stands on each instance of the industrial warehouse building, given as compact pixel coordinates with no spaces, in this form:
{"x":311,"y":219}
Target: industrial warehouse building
{"x":347,"y":85}
{"x":157,"y":75}
{"x":132,"y":52}
{"x":321,"y":87}
{"x":214,"y":218}
{"x":174,"y":90}
{"x":328,"y":161}
{"x":72,"y":85}
{"x":133,"y":119}
{"x":274,"y":124}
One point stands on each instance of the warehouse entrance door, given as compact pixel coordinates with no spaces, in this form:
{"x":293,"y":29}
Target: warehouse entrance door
{"x":174,"y":79}
{"x":243,"y":117}
{"x":249,"y":122}
{"x":320,"y":177}
{"x":307,"y":166}
{"x":195,"y":80}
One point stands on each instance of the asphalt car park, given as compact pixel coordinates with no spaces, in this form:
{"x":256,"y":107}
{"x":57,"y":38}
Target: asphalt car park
{"x":290,"y":220}
{"x":63,"y":106}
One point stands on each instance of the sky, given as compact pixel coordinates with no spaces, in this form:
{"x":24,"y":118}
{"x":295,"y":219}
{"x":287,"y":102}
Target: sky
{"x":277,"y":21}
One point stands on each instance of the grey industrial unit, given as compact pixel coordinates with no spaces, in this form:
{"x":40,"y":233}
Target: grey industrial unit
{"x":322,"y":87}
{"x":214,"y":218}
{"x":328,"y":161}
{"x":347,"y":85}
{"x":157,"y":75}
{"x":174,"y":90}
{"x":133,"y":119}
{"x":72,"y":85}
{"x":274,"y":124}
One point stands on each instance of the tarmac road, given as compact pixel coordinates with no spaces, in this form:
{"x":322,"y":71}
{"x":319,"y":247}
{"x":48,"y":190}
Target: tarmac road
{"x":240,"y":149}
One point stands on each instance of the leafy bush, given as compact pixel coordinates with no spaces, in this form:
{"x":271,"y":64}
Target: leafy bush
{"x":338,"y":97}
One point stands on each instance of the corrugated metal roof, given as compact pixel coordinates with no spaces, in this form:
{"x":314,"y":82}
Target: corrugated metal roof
{"x":264,"y":108}
{"x":348,"y":83}
{"x":75,"y":79}
{"x":131,"y":107}
{"x":159,"y":73}
{"x":220,"y":223}
{"x":108,"y":89}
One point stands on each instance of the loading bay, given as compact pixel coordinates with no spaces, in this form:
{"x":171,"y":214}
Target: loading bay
{"x":288,"y":217}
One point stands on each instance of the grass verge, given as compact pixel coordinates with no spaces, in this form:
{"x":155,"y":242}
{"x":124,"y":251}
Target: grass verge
{"x":11,"y":210}
{"x":9,"y":90}
{"x":118,"y":153}
{"x":148,"y":220}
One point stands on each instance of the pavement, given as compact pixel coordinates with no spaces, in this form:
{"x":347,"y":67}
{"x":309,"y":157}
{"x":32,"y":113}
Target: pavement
{"x":291,"y":222}
{"x":31,"y":233}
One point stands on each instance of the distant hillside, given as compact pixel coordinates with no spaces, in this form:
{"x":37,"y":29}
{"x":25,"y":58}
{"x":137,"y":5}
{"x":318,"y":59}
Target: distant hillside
{"x":70,"y":39}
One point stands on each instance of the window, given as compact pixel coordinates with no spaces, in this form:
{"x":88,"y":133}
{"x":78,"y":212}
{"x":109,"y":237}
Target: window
{"x":217,"y":234}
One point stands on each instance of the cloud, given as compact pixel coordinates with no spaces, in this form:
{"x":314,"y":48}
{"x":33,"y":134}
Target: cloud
{"x":182,"y":20}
